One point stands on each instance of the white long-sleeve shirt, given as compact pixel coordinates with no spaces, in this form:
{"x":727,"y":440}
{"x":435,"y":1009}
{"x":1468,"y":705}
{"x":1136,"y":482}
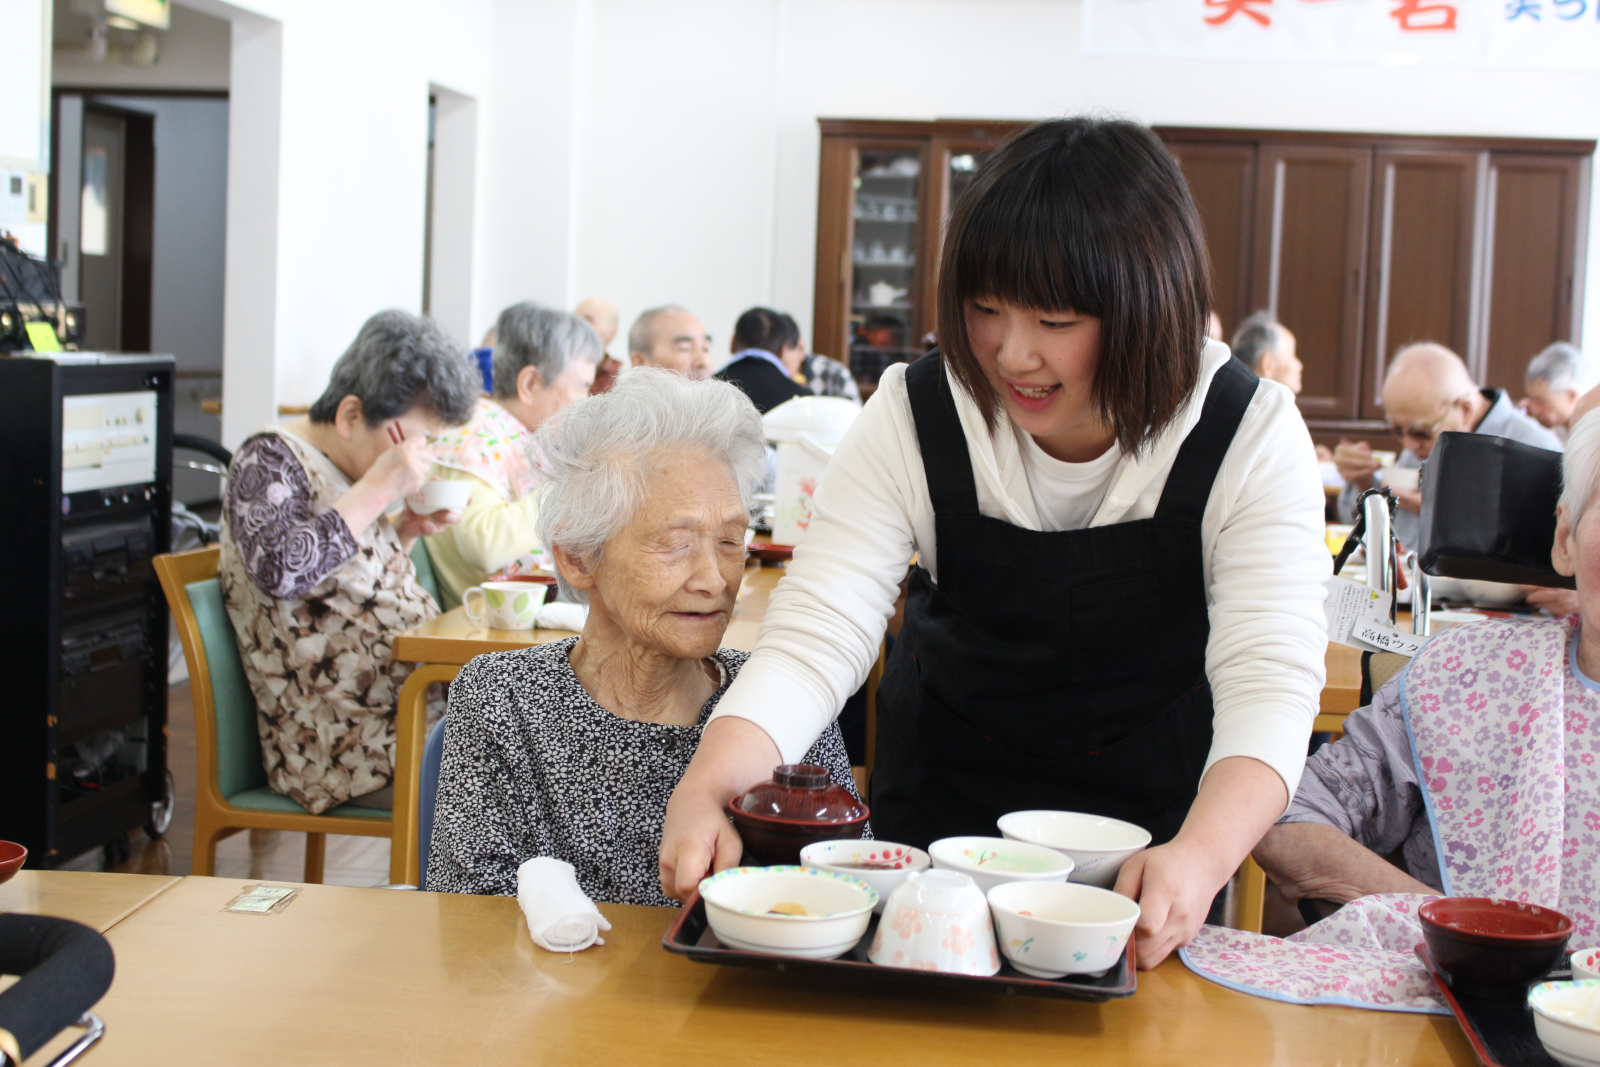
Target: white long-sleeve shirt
{"x":1261,"y":534}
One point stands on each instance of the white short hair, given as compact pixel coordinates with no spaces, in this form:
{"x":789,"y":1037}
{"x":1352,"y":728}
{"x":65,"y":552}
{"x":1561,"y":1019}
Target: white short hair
{"x":1560,"y":367}
{"x":596,"y":453}
{"x":1580,"y":465}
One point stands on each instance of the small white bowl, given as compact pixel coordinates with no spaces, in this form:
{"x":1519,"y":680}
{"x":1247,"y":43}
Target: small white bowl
{"x":881,"y":864}
{"x":440,"y":495}
{"x":1566,"y":1016}
{"x":990,"y":861}
{"x":1098,"y":846}
{"x":1586,"y":963}
{"x":936,"y":921}
{"x":739,"y":903}
{"x":1051,"y":929}
{"x":1407,"y":478}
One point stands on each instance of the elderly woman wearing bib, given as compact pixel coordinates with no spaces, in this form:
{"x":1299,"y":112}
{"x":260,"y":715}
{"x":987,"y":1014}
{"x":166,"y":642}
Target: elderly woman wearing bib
{"x":543,"y":360}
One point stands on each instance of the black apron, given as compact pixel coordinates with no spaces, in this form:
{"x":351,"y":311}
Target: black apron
{"x":1059,"y":670}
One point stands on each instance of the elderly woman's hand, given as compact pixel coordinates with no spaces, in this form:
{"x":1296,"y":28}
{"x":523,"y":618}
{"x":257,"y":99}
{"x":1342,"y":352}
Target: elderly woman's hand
{"x":398,"y":472}
{"x":411,"y":526}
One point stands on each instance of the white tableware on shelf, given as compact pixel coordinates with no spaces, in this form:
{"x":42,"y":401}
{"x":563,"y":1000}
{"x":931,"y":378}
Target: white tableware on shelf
{"x":882,"y":294}
{"x":1097,"y":845}
{"x":1051,"y":929}
{"x":881,"y":864}
{"x":788,"y":911}
{"x":505,"y":605}
{"x":989,"y":861}
{"x":1566,"y":1016}
{"x":936,"y":921}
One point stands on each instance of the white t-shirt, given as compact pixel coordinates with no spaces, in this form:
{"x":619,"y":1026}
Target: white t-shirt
{"x":1066,"y":495}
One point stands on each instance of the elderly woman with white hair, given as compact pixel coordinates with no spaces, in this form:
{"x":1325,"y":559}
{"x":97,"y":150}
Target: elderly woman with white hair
{"x":544,"y":359}
{"x":1479,"y":763}
{"x":571,"y":749}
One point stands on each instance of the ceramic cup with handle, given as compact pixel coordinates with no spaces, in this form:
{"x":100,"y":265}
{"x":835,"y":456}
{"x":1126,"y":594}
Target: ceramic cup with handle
{"x":506,"y":605}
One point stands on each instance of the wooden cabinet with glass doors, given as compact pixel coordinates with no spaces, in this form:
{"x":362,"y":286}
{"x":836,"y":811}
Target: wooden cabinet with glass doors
{"x":1359,"y":243}
{"x":886,"y":190}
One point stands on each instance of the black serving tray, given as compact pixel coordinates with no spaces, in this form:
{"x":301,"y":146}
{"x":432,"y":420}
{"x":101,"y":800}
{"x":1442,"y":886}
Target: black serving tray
{"x":691,"y":936}
{"x":1500,"y":1031}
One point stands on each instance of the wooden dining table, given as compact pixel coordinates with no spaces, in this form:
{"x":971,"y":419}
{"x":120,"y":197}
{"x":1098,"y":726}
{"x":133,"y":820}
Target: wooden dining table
{"x":367,"y":976}
{"x":97,"y":899}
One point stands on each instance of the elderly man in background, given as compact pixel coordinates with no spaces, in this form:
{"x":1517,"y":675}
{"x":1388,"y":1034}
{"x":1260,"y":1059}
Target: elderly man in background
{"x":602,"y":315}
{"x":544,"y":360}
{"x":1428,"y":392}
{"x":766,"y":358}
{"x":671,"y":337}
{"x":1553,"y":385}
{"x":1266,"y":346}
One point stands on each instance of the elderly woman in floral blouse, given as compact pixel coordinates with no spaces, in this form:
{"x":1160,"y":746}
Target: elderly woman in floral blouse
{"x":317,"y":580}
{"x":571,"y":749}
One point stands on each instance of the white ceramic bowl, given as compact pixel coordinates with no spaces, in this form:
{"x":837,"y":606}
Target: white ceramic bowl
{"x":1098,"y":846}
{"x":1484,"y":594}
{"x":441,"y":495}
{"x":740,"y":901}
{"x":1049,"y":929}
{"x":1586,"y":963}
{"x":936,"y":921}
{"x":1566,"y":1016}
{"x":1406,"y":478}
{"x":989,"y":861}
{"x":881,"y":864}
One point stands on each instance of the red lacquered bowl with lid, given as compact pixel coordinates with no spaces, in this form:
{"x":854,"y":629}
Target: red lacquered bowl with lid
{"x":1489,"y":947}
{"x":799,"y":806}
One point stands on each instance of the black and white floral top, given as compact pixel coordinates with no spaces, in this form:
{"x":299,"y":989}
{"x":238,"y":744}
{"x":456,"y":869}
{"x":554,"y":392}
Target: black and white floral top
{"x":534,"y":767}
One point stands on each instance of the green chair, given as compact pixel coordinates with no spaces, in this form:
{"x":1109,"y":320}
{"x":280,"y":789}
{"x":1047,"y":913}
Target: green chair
{"x":424,"y":564}
{"x":231,"y":792}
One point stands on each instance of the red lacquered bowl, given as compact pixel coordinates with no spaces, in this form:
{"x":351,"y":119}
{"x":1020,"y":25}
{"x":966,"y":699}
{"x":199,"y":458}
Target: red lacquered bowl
{"x":12,"y":857}
{"x":1489,"y":947}
{"x":799,"y":807}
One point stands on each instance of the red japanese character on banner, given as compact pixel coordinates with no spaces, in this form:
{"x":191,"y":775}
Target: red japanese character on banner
{"x":1420,"y":16}
{"x":1226,"y":9}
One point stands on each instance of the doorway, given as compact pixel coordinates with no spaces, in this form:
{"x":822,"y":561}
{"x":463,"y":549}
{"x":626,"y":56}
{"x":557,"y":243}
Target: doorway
{"x":116,"y":218}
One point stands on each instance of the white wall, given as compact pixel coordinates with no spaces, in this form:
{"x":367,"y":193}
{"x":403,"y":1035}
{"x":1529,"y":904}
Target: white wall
{"x":24,"y":108}
{"x":696,"y":144}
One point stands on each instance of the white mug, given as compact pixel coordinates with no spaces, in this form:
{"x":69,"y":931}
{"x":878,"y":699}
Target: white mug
{"x":506,"y":605}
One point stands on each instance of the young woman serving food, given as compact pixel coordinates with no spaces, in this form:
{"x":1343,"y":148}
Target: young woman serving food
{"x":1117,"y":601}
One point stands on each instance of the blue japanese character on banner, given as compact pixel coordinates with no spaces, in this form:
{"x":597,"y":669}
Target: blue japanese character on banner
{"x":1577,"y":7}
{"x":1515,"y":9}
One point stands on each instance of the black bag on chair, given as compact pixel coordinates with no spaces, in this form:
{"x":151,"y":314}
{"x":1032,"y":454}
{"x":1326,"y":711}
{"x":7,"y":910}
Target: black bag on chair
{"x":1489,"y":506}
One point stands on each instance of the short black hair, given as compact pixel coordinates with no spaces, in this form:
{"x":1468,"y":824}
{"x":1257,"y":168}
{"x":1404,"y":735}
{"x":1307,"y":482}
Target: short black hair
{"x":1093,"y":216}
{"x":397,"y":362}
{"x":768,"y":330}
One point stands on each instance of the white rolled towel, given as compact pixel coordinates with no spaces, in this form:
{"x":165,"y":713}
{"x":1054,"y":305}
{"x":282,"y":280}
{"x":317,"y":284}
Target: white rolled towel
{"x":562,"y":616}
{"x":560,"y":916}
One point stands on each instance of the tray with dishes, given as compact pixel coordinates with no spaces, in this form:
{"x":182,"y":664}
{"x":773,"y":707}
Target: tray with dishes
{"x":1028,"y":912}
{"x":1483,"y":953}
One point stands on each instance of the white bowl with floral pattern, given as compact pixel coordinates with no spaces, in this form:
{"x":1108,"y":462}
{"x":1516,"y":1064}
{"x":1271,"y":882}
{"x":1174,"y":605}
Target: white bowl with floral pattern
{"x":881,"y":864}
{"x":936,"y":921}
{"x":1051,"y":929}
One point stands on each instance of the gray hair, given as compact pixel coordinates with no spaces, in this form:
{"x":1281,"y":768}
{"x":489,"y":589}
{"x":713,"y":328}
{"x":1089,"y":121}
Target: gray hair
{"x":1580,"y":465}
{"x":396,"y":362}
{"x":1256,"y":336}
{"x":1560,"y":366}
{"x":596,"y":453}
{"x":642,"y":334}
{"x":532,"y":335}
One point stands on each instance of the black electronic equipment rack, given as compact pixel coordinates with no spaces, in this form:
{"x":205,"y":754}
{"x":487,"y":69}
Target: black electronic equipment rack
{"x":86,"y":477}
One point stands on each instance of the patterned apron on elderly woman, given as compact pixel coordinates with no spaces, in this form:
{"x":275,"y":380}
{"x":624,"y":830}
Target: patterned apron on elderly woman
{"x":1506,"y":736}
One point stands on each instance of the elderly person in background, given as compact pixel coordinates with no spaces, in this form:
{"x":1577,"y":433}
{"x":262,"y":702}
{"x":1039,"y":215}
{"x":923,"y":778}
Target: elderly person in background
{"x":1428,"y":392}
{"x":671,"y":338}
{"x":766,"y":358}
{"x":1502,"y":718}
{"x":602,"y":315}
{"x":543,"y":361}
{"x":571,"y":749}
{"x":317,"y":581}
{"x":1554,"y":383}
{"x":1266,"y":346}
{"x":823,"y":375}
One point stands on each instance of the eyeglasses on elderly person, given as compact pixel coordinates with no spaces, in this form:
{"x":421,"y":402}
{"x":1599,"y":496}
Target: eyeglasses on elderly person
{"x":572,"y":749}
